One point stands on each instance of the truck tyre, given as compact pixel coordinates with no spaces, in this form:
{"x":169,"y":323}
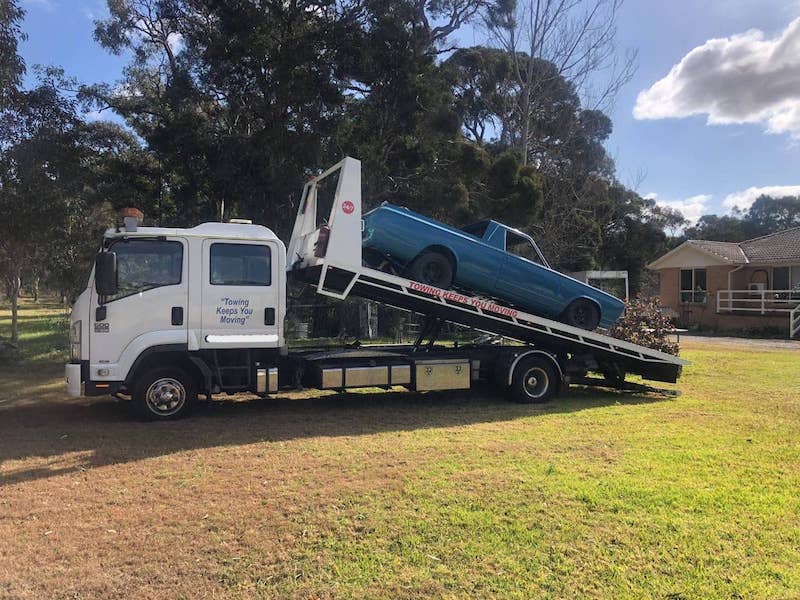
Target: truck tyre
{"x":432,"y":268}
{"x":535,"y":381}
{"x":582,"y":313}
{"x":164,"y":393}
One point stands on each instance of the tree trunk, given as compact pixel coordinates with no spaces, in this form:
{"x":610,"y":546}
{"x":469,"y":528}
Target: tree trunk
{"x":526,"y":125}
{"x":36,"y":288}
{"x":14,"y":297}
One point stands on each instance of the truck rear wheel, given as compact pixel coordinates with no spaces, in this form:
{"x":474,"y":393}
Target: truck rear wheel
{"x":164,"y":393}
{"x":432,"y":268}
{"x":535,"y":381}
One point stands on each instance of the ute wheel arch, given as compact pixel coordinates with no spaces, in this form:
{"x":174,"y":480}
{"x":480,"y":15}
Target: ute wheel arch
{"x":437,"y":250}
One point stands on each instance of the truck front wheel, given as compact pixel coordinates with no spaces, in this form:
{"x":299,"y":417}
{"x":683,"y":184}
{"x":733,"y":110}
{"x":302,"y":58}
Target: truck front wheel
{"x":163,"y":394}
{"x":534,"y":381}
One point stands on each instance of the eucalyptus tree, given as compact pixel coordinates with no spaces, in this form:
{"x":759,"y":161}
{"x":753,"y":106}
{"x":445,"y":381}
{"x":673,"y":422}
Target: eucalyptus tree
{"x":12,"y":67}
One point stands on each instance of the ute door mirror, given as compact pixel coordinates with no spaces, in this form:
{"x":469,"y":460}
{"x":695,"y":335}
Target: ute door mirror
{"x":105,"y":273}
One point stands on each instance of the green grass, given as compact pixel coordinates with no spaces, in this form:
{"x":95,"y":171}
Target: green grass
{"x":397,"y":495}
{"x":694,"y":498}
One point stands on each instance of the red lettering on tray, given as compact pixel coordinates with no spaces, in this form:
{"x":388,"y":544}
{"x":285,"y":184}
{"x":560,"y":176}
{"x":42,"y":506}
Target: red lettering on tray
{"x":483,"y":305}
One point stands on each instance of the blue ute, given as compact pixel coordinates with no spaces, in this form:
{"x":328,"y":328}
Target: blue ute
{"x":487,"y":258}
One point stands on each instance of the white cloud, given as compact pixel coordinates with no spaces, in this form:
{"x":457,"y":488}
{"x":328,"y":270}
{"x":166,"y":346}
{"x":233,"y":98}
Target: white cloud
{"x":744,"y":78}
{"x":175,"y":42}
{"x":744,"y":199}
{"x":691,"y":208}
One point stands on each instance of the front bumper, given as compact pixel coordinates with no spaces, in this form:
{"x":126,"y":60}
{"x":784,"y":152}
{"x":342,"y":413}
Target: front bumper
{"x":79,"y":385}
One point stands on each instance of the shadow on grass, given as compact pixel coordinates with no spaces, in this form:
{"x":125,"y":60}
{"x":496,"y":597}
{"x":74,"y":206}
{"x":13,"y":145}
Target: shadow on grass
{"x":38,"y":421}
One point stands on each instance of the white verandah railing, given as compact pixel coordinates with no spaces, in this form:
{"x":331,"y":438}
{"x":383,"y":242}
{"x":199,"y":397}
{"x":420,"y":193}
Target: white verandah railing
{"x":758,"y":301}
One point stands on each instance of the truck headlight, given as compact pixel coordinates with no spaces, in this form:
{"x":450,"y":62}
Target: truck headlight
{"x":75,"y":342}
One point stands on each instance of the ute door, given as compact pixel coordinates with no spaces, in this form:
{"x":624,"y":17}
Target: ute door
{"x":241,"y":294}
{"x":525,"y":281}
{"x":149,"y":308}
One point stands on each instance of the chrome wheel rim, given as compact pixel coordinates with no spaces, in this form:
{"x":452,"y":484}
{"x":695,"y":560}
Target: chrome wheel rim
{"x":165,"y":396}
{"x":536,"y":382}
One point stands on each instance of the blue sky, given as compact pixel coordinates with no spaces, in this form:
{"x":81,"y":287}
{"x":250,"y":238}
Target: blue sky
{"x":667,"y":149}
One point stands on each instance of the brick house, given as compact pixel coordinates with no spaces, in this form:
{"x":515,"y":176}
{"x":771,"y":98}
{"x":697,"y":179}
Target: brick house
{"x":726,"y":285}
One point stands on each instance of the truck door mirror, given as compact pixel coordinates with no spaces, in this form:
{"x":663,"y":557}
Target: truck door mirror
{"x":105,"y":273}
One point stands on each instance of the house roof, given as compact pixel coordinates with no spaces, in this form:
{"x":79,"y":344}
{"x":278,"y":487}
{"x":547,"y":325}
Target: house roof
{"x":780,"y":246}
{"x":729,"y":251}
{"x":783,"y":246}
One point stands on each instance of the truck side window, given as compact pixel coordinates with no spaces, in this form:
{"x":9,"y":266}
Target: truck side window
{"x":146,"y":264}
{"x":240,"y":264}
{"x":516,"y":244}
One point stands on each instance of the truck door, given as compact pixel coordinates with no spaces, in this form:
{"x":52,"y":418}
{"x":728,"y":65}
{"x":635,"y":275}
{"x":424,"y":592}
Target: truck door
{"x":525,"y":281}
{"x":148,"y":309}
{"x":241,"y":294}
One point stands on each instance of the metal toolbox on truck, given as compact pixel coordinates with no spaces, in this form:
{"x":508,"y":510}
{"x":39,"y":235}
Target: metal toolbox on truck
{"x":354,"y":376}
{"x":442,"y":374}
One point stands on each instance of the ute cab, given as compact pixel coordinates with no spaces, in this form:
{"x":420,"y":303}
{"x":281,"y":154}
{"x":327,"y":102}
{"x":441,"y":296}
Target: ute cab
{"x":159,"y":296}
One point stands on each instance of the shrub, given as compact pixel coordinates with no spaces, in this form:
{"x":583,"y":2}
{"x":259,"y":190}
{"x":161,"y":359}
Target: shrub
{"x":644,"y":323}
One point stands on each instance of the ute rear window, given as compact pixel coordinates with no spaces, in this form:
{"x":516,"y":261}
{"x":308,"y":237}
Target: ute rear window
{"x":476,"y":229}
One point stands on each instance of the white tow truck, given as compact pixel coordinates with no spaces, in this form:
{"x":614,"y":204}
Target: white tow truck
{"x":171,"y":314}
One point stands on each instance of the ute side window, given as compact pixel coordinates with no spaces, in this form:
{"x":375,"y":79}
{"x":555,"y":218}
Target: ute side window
{"x":240,"y":264}
{"x":145,"y":265}
{"x":524,"y":247}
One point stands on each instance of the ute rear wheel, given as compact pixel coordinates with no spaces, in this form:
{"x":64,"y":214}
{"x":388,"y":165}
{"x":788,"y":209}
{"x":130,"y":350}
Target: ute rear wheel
{"x":535,"y":380}
{"x":164,"y":393}
{"x":582,"y":313}
{"x":433,"y":268}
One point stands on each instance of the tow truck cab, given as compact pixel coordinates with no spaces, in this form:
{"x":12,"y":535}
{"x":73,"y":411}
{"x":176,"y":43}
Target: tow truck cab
{"x":209,"y":300}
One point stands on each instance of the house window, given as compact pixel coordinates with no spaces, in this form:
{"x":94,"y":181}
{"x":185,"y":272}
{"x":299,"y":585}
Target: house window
{"x":786,"y":278}
{"x":693,"y":286}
